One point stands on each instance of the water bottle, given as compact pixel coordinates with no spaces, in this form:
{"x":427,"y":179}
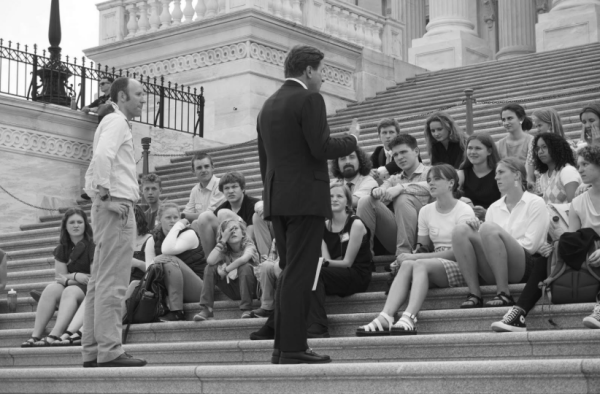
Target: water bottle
{"x":12,"y":301}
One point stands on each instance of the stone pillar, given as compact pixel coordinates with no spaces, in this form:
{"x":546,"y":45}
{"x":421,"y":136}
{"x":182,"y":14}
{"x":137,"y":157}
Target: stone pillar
{"x":569,"y":23}
{"x":451,"y":40}
{"x":516,"y":19}
{"x":414,"y":19}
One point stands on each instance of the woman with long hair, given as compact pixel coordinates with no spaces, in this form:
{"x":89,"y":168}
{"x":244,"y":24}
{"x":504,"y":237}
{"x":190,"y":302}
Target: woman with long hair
{"x":424,"y":269}
{"x":445,"y":140}
{"x":515,"y":228}
{"x":72,"y":262}
{"x":478,"y":171}
{"x":516,"y":123}
{"x":138,"y":263}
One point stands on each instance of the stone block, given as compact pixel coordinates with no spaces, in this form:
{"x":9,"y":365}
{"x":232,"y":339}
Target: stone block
{"x":568,"y":27}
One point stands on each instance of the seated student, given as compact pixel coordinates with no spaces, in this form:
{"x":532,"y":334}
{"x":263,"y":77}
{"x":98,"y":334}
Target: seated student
{"x":232,"y":185}
{"x":515,"y":228}
{"x":590,"y":122}
{"x":205,"y":196}
{"x":138,"y":263}
{"x":175,"y":245}
{"x":445,"y":140}
{"x":72,"y":261}
{"x":477,"y":173}
{"x":584,"y":212}
{"x":545,"y":120}
{"x":353,"y":171}
{"x":418,"y":272}
{"x":151,"y":189}
{"x":347,"y":259}
{"x":516,"y":123}
{"x":387,"y":130}
{"x":231,"y":268}
{"x":553,"y":160}
{"x":407,"y":192}
{"x":105,"y":85}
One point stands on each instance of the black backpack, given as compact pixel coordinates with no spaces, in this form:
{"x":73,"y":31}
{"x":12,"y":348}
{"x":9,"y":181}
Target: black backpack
{"x":148,"y":301}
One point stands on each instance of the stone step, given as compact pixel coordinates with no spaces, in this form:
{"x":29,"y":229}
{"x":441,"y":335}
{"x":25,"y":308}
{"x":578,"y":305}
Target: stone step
{"x":29,"y":234}
{"x":14,"y":245}
{"x":30,"y":264}
{"x":534,"y":345}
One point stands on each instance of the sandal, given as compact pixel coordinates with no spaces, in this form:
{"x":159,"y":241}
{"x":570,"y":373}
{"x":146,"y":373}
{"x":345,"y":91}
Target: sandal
{"x":472,"y":301}
{"x":501,"y":299}
{"x":375,"y":328}
{"x":76,"y":338}
{"x":406,"y":325}
{"x":44,"y":341}
{"x":30,"y":342}
{"x":64,"y":341}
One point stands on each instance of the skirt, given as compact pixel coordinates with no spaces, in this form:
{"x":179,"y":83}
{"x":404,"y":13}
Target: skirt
{"x":455,"y":277}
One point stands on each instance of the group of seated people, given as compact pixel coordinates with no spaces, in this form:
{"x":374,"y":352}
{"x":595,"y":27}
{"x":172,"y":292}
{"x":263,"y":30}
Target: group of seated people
{"x":477,"y":215}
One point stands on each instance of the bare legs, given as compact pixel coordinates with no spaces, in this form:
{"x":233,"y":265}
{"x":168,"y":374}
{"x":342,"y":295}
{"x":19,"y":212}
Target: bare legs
{"x":68,"y":300}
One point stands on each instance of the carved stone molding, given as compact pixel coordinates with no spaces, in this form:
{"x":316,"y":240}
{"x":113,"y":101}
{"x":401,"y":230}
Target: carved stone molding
{"x":229,"y":53}
{"x":42,"y":144}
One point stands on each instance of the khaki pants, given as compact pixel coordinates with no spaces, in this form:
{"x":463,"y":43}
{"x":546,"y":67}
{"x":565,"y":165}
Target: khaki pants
{"x":102,"y":323}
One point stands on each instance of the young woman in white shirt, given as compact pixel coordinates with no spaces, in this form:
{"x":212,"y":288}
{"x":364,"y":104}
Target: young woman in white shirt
{"x":418,"y":272}
{"x":515,"y":228}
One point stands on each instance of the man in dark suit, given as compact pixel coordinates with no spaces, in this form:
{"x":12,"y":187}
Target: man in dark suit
{"x":293,"y":146}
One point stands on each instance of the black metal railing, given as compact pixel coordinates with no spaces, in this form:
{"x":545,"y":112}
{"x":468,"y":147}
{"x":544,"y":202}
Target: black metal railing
{"x":37,"y":77}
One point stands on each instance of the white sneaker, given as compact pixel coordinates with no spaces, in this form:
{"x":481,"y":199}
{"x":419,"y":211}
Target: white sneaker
{"x":593,"y":320}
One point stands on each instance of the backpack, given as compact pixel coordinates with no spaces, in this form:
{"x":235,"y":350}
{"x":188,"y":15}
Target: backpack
{"x":148,"y":301}
{"x":565,"y":285}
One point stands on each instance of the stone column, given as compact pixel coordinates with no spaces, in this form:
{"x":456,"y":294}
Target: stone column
{"x":516,"y":23}
{"x":451,"y":40}
{"x":569,"y":23}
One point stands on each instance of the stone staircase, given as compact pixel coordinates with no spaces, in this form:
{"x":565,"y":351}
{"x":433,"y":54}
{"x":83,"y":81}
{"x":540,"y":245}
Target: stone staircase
{"x":455,"y":350}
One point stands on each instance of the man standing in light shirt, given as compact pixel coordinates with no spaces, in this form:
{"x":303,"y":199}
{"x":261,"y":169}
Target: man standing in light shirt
{"x":205,"y":195}
{"x":111,"y":183}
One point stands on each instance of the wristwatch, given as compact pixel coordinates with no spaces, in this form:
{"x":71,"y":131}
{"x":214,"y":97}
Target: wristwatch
{"x":105,"y":197}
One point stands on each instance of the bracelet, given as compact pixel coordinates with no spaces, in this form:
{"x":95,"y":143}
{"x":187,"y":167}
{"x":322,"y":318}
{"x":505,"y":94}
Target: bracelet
{"x":325,"y":263}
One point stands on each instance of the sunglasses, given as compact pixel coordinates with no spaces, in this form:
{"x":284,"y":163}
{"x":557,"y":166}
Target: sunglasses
{"x":104,"y":83}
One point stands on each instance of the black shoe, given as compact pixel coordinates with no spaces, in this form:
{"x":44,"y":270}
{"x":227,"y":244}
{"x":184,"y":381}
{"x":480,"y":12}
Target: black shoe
{"x":317,"y":331}
{"x":263,"y":334}
{"x":86,"y":197}
{"x":35,"y":294}
{"x":260,"y":312}
{"x":90,"y":364}
{"x":513,"y":321}
{"x":306,"y":357}
{"x":275,"y":356}
{"x":124,"y":360}
{"x":173,"y":316}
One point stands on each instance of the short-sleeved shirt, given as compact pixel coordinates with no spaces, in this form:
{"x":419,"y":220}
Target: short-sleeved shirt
{"x":588,"y":216}
{"x":439,"y":226}
{"x":78,"y":258}
{"x":150,"y":218}
{"x":207,"y":198}
{"x":246,"y":211}
{"x":518,"y":150}
{"x":454,"y":155}
{"x":553,"y":187}
{"x":416,"y":183}
{"x":481,"y":191}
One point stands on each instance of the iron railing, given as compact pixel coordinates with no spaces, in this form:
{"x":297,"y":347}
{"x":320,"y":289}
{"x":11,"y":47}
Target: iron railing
{"x":29,"y":75}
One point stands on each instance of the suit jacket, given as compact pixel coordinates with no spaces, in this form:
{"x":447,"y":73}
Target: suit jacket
{"x":293,"y":148}
{"x":378,"y":160}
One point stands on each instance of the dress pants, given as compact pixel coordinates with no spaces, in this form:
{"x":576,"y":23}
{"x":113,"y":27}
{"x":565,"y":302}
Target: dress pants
{"x":243,"y":288}
{"x":102,"y":324}
{"x":298,"y":241}
{"x":334,"y":281}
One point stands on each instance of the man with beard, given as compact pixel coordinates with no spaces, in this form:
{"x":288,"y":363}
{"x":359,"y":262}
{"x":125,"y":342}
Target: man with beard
{"x":353,"y":171}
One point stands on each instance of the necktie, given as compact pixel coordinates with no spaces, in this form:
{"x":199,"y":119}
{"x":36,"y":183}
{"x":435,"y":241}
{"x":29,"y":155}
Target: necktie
{"x":350,"y":186}
{"x":388,"y":156}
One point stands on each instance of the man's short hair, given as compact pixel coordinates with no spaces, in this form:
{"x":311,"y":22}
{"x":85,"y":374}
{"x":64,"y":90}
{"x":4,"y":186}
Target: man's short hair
{"x":300,"y":57}
{"x":232,"y":177}
{"x":386,"y":122}
{"x":405,"y":139}
{"x":109,"y":79}
{"x":151,"y":178}
{"x":201,"y":156}
{"x":119,"y":85}
{"x":364,"y":164}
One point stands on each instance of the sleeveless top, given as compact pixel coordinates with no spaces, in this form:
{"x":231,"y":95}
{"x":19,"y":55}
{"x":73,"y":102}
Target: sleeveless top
{"x":337,"y":243}
{"x":482,"y":191}
{"x":136,"y":273}
{"x":193,"y":258}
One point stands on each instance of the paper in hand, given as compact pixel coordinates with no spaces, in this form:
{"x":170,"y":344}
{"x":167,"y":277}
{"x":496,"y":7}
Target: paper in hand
{"x":319,"y":265}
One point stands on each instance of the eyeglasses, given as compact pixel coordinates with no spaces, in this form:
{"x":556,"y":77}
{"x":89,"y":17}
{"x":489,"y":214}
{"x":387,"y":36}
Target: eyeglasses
{"x":540,"y":148}
{"x":104,"y":83}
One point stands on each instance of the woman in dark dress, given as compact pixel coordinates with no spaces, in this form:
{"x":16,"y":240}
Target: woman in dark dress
{"x":445,"y":140}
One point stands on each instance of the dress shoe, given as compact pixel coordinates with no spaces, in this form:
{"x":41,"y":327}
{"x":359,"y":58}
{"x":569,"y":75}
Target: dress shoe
{"x":275,"y":356}
{"x":260,"y":312}
{"x":317,"y":331}
{"x":124,"y":360}
{"x":263,"y":334}
{"x":90,"y":364}
{"x":173,"y":316}
{"x":306,"y":357}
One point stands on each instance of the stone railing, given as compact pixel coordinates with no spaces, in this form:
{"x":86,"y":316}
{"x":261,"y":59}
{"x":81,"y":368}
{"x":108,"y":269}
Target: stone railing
{"x":126,"y":19}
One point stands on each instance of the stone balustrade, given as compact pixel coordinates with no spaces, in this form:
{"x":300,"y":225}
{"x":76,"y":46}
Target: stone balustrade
{"x":126,"y":19}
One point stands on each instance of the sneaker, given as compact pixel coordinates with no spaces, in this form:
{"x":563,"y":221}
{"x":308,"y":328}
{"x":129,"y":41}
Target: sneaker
{"x":260,"y":312}
{"x":593,"y":320}
{"x":513,"y":321}
{"x":204,"y":314}
{"x":247,"y":315}
{"x":173,"y":316}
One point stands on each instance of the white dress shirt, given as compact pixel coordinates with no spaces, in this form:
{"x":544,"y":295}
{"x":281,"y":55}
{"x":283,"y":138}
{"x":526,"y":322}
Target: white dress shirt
{"x":206,"y":198}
